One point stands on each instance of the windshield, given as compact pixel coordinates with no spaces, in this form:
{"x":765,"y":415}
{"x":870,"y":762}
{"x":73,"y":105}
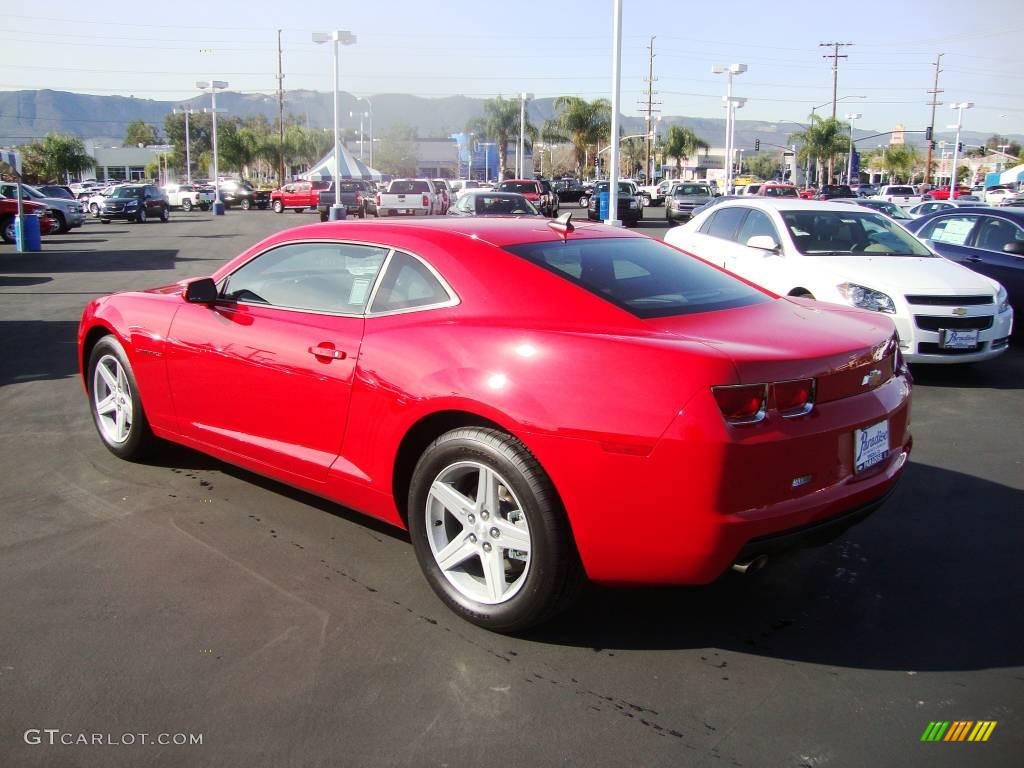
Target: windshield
{"x":691,"y":190}
{"x":889,"y":209}
{"x":128,"y":192}
{"x":518,"y":186}
{"x":641,"y":275}
{"x":624,"y":189}
{"x":841,"y":233}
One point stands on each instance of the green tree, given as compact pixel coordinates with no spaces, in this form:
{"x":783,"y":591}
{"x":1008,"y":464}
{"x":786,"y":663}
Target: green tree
{"x":901,"y":160}
{"x":55,"y":158}
{"x":584,"y":123}
{"x":962,"y":172}
{"x":824,"y":140}
{"x":682,"y":144}
{"x":139,"y":132}
{"x":397,"y":152}
{"x":763,"y":166}
{"x":500,"y":123}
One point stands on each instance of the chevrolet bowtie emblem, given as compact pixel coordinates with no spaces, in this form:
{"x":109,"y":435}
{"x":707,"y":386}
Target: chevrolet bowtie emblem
{"x":872,"y":379}
{"x":960,"y":311}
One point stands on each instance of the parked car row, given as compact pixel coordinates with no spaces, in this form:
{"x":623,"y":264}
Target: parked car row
{"x":68,"y":213}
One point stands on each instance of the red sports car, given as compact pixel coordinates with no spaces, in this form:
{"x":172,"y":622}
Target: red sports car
{"x":537,"y":403}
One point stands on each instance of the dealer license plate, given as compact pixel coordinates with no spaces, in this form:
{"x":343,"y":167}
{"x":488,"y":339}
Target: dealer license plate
{"x":870,"y":446}
{"x":959,"y":339}
{"x":402,"y":210}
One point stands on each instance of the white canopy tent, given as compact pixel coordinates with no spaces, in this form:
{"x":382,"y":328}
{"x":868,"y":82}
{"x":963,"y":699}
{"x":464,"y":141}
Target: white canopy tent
{"x":349,"y":168}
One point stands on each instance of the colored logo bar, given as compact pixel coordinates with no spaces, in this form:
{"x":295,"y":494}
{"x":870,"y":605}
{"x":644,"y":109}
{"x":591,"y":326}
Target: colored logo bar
{"x":958,"y":730}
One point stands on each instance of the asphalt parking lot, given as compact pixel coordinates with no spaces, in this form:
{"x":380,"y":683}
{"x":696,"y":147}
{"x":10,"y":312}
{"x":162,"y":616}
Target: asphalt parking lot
{"x":187,"y":596}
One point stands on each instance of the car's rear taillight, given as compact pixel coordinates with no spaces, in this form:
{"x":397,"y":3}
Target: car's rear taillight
{"x":742,"y":404}
{"x":426,"y":201}
{"x":378,"y":199}
{"x":359,"y":199}
{"x":794,"y":398}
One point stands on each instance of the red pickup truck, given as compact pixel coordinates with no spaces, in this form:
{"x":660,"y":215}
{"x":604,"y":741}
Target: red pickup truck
{"x":299,"y":195}
{"x":9,"y":210}
{"x":942,"y":193}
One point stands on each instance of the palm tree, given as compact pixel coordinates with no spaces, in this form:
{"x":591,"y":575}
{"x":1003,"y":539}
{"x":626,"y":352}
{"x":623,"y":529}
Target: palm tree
{"x":56,"y":157}
{"x":824,"y":139}
{"x":682,"y":143}
{"x":584,"y":122}
{"x":901,"y":160}
{"x":500,"y":122}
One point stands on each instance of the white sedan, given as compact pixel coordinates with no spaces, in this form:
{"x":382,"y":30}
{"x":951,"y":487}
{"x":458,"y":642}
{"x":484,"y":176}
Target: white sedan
{"x":943,"y":312}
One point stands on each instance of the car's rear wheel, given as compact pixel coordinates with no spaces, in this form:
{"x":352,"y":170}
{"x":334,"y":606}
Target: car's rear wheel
{"x":165,"y":214}
{"x":7,"y":230}
{"x":245,"y":205}
{"x":489,"y":531}
{"x":141,"y":217}
{"x":94,"y":209}
{"x":187,"y":205}
{"x":115,"y":403}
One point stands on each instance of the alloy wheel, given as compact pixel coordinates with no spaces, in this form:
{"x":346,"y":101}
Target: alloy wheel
{"x":112,"y":399}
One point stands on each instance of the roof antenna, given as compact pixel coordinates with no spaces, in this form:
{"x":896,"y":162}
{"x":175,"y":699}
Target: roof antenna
{"x":563,"y":225}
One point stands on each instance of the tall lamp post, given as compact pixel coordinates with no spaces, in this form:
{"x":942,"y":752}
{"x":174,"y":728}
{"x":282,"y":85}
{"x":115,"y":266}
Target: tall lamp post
{"x":188,"y":143}
{"x":521,"y":154}
{"x":729,"y":70}
{"x":851,"y":116}
{"x":370,"y":113}
{"x":361,"y":116}
{"x":732,"y":104}
{"x":213,"y":86}
{"x":613,"y":165}
{"x":343,"y":37}
{"x":953,"y":182}
{"x":487,"y":159}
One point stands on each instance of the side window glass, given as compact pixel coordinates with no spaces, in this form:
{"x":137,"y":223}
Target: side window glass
{"x":995,"y":234}
{"x":757,"y":223}
{"x":951,"y":230}
{"x":321,"y":277}
{"x":407,"y":284}
{"x":724,"y":223}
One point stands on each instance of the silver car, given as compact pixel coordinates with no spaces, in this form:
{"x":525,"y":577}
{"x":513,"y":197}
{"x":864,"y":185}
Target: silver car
{"x":69,"y":213}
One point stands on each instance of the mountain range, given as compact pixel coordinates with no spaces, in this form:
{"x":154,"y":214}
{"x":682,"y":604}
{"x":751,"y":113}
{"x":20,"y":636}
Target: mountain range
{"x":25,"y":115}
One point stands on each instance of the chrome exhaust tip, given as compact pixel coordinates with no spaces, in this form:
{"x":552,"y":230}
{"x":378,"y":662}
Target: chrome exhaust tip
{"x":750,"y":566}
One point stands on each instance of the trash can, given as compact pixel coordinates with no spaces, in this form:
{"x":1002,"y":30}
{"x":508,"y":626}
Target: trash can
{"x":602,"y":206}
{"x":28,"y":236}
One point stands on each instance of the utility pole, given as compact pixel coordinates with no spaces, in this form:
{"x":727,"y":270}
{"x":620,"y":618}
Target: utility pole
{"x":280,"y":113}
{"x":648,"y":105}
{"x":935,"y":91}
{"x":835,"y":56}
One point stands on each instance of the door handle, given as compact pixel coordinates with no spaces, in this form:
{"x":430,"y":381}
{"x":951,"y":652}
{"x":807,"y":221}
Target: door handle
{"x":973,"y":259}
{"x":328,"y":352}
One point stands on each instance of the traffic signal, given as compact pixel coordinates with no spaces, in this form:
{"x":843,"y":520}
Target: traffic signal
{"x":757,"y":145}
{"x":934,"y":145}
{"x":960,"y":146}
{"x":928,"y":133}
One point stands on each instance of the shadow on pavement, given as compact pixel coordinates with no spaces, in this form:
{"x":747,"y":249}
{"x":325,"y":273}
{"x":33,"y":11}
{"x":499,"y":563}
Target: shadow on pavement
{"x":6,"y":281}
{"x":37,"y":350}
{"x":930,"y":582}
{"x":1004,"y":372}
{"x":94,"y":261}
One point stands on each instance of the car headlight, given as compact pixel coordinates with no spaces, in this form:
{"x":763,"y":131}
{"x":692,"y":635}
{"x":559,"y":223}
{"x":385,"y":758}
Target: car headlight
{"x":632,"y":203}
{"x":866,"y":298}
{"x":131,"y":204}
{"x":1002,"y":300}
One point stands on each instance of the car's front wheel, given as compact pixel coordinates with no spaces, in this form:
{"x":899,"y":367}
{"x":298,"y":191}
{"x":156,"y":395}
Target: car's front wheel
{"x":278,"y":206}
{"x":245,"y":205}
{"x":186,"y":205}
{"x":115,"y":403}
{"x":489,"y":531}
{"x":8,"y":230}
{"x":141,"y":217}
{"x":165,"y":214}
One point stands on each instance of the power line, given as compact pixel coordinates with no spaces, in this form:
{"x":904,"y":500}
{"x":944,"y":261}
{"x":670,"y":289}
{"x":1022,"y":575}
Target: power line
{"x":650,"y":94}
{"x":935,"y":91}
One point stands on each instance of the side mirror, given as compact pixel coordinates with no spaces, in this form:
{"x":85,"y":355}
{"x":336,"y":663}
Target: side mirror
{"x":764,"y":243}
{"x":201,"y":291}
{"x":1016,"y":247}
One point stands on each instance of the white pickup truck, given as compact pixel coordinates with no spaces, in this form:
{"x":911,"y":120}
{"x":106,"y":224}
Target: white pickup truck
{"x":187,"y":197}
{"x":409,"y":197}
{"x":902,"y":195}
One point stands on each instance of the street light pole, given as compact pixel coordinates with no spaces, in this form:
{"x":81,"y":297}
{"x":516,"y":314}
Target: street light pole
{"x":730,"y":127}
{"x":188,"y":144}
{"x":851,"y":116}
{"x":613,"y":177}
{"x":959,"y":107}
{"x":344,"y":37}
{"x":521,"y":154}
{"x":370,"y":112}
{"x":213,"y":86}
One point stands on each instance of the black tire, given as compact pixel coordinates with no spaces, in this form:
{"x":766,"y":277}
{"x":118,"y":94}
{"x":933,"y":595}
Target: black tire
{"x":141,"y":439}
{"x":94,"y":209}
{"x":165,"y":215}
{"x":246,"y":204}
{"x":801,"y":293}
{"x":204,"y":206}
{"x":362,"y":213}
{"x":63,"y":227}
{"x":324,"y":216}
{"x":186,"y":205}
{"x":104,"y":221}
{"x":141,"y":217}
{"x":7,"y":231}
{"x":554,"y":574}
{"x":278,"y":206}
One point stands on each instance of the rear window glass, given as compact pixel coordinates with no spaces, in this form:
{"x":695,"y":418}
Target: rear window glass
{"x":643,"y":276}
{"x":408,"y":187}
{"x":908,"y":191}
{"x":518,"y":186}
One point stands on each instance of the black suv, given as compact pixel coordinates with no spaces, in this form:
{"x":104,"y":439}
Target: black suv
{"x":833,"y":191}
{"x":136,"y":202}
{"x":241,"y":193}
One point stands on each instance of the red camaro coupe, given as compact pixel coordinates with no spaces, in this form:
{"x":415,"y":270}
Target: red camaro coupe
{"x":537,"y":403}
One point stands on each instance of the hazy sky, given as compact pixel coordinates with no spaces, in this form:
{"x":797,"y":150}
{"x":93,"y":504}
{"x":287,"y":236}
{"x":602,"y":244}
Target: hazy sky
{"x":483,"y":48}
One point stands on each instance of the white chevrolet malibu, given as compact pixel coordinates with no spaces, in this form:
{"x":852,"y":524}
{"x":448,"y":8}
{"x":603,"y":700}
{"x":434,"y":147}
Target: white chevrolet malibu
{"x":943,"y":312}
